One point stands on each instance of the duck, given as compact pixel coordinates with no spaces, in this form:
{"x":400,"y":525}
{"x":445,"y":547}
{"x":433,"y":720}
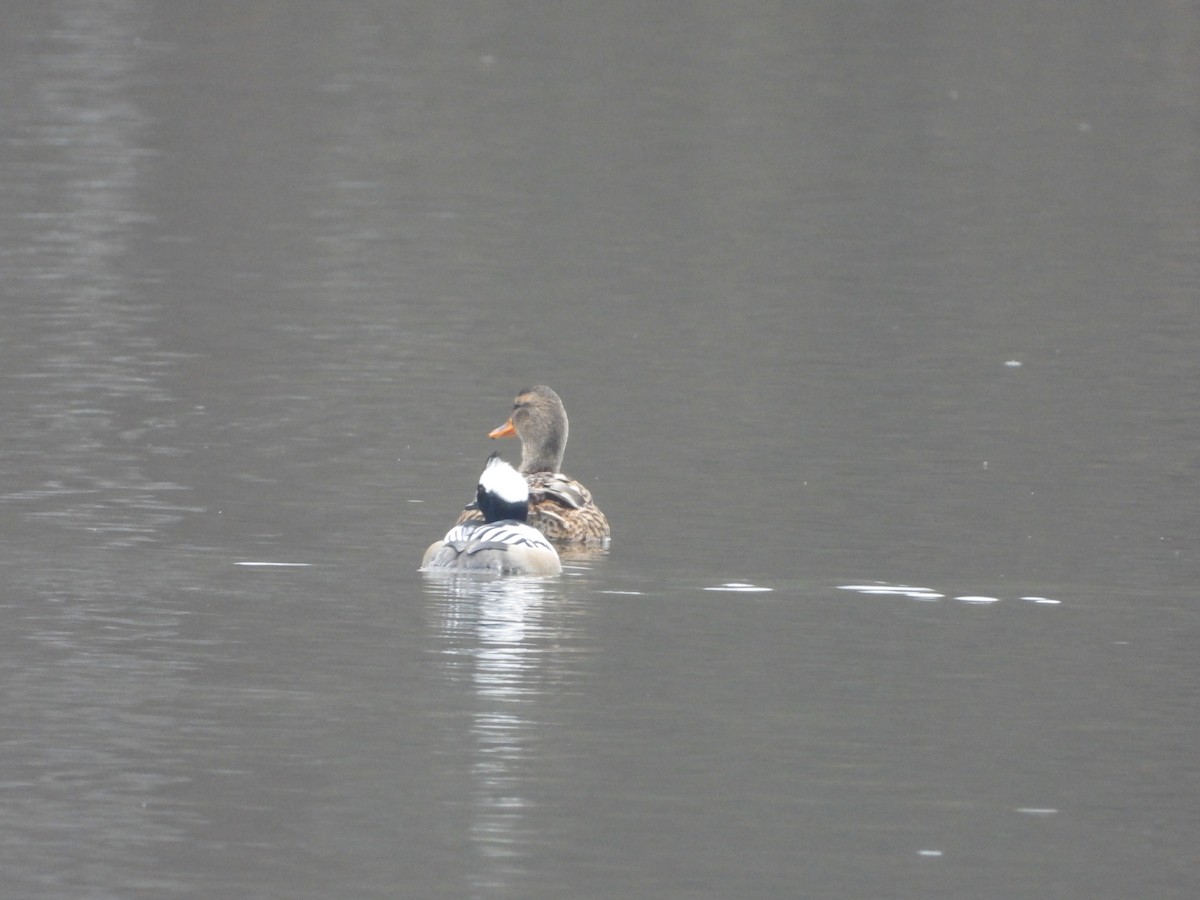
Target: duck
{"x":559,"y":506}
{"x":503,"y":543}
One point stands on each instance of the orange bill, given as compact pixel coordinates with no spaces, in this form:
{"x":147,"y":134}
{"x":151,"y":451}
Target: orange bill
{"x":505,"y":430}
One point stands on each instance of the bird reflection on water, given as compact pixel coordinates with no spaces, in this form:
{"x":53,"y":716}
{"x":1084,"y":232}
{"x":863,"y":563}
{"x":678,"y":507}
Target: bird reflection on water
{"x":500,"y":644}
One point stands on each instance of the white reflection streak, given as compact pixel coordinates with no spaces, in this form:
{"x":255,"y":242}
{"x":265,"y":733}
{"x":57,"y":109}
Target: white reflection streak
{"x":506,"y":613}
{"x":502,"y":663}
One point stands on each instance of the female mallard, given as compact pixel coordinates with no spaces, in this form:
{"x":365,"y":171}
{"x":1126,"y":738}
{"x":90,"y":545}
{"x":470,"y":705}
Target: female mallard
{"x":559,"y":506}
{"x":502,"y":544}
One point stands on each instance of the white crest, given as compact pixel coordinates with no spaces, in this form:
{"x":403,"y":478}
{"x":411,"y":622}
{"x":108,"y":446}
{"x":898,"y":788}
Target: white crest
{"x":503,"y":481}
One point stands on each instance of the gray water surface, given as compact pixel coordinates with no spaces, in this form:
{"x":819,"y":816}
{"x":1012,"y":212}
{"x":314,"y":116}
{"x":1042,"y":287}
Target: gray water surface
{"x":878,"y":329}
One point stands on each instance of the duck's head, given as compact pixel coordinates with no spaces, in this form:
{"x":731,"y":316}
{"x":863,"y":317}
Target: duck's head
{"x":540,"y":421}
{"x":502,"y":492}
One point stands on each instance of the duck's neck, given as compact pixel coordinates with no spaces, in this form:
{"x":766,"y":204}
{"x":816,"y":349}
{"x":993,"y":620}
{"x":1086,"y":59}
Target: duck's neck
{"x":547,"y":456}
{"x":544,"y":459}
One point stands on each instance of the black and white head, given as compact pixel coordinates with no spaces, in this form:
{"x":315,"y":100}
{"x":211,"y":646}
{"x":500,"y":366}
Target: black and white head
{"x":502,"y":492}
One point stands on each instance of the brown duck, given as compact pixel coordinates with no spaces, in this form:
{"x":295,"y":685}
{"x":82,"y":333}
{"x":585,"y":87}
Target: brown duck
{"x":559,"y":506}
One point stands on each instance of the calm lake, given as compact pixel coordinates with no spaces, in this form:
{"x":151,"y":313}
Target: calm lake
{"x":879,"y":329}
